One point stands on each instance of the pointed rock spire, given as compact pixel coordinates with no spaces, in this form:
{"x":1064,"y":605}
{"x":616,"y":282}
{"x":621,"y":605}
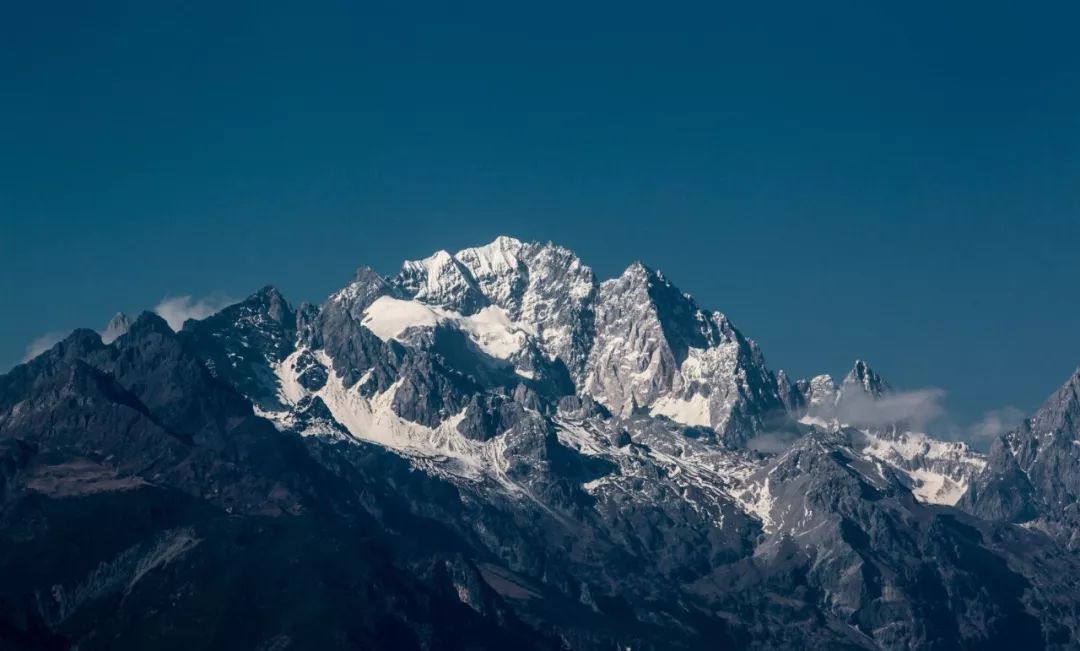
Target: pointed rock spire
{"x":442,"y":280}
{"x":150,"y":322}
{"x":863,"y":377}
{"x":498,"y":258}
{"x":117,"y":327}
{"x":1060,"y":414}
{"x":366,"y":286}
{"x":792,"y":394}
{"x":543,"y":286}
{"x":271,"y":302}
{"x":654,"y":344}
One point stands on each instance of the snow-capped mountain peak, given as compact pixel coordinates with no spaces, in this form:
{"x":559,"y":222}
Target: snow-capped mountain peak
{"x":563,"y":445}
{"x":459,"y":346}
{"x":863,"y":377}
{"x":493,"y":263}
{"x":655,"y":349}
{"x":441,"y":279}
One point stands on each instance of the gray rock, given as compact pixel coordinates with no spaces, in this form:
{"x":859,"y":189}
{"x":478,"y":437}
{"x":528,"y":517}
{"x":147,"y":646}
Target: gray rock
{"x":1033,"y":473}
{"x":118,"y":325}
{"x":647,"y":330}
{"x":594,"y":494}
{"x":242,"y":341}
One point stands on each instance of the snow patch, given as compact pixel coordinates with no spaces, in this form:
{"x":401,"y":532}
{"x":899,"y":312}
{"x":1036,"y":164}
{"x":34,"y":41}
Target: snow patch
{"x":490,"y":328}
{"x":936,"y":488}
{"x":939,"y":470}
{"x":389,"y":317}
{"x":757,"y":500}
{"x":442,"y":449}
{"x":688,"y":411}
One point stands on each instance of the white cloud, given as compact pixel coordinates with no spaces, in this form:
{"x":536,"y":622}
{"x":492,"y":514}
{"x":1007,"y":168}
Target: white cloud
{"x":41,"y":344}
{"x":915,"y":408}
{"x":994,"y":423}
{"x":176,"y":310}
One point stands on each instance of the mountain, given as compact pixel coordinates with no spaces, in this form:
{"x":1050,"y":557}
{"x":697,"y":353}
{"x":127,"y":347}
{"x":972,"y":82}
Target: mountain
{"x":1032,"y":477}
{"x":656,"y":350}
{"x":118,"y":325}
{"x":493,"y":448}
{"x":937,"y":472}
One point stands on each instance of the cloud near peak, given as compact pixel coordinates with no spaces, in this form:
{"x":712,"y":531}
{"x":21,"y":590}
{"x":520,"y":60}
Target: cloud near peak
{"x":178,"y":309}
{"x":994,"y":423}
{"x":916,"y":408}
{"x":41,"y":344}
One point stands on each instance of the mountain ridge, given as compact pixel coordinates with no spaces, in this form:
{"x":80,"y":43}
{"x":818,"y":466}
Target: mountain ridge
{"x":556,"y":460}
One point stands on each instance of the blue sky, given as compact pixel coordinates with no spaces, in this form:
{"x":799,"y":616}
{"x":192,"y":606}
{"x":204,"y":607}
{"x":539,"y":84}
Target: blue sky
{"x":898,"y":183}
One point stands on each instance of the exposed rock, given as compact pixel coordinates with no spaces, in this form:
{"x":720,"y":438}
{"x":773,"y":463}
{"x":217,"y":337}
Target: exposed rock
{"x":492,"y":451}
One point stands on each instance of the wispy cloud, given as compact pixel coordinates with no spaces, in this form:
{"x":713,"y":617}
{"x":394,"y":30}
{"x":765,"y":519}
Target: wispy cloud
{"x":178,"y":309}
{"x":915,"y":408}
{"x":41,"y":344}
{"x":994,"y":423}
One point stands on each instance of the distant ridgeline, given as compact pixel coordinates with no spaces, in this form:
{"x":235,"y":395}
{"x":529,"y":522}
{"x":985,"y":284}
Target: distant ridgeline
{"x":493,"y":449}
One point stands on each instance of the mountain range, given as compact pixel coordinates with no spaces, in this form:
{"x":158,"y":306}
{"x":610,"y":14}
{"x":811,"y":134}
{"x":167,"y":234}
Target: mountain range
{"x":493,"y":447}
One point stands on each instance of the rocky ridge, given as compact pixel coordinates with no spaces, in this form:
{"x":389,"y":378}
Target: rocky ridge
{"x":589,"y":456}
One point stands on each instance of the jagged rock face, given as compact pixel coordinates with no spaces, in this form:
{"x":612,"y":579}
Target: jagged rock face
{"x":864,"y":378}
{"x":936,"y":471}
{"x":489,"y":416}
{"x":1003,"y":491}
{"x":248,"y":518}
{"x":1033,"y":474}
{"x":365,"y":288}
{"x":355,"y":352}
{"x":429,"y":394}
{"x":310,"y":373}
{"x":542,"y":285}
{"x":531,"y":309}
{"x":821,"y":395}
{"x":793,"y":395}
{"x":311,"y":415}
{"x":656,"y":350}
{"x":117,"y":326}
{"x":556,"y":464}
{"x":145,"y":405}
{"x":895,"y":570}
{"x":632,"y":363}
{"x":826,"y":401}
{"x":242,"y":340}
{"x":500,"y":270}
{"x":441,"y":280}
{"x":864,"y":391}
{"x":1060,"y":415}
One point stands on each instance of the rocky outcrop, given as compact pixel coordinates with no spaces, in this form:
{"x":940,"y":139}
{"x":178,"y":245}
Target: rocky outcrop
{"x":1033,"y":473}
{"x":655,"y":349}
{"x":490,"y":450}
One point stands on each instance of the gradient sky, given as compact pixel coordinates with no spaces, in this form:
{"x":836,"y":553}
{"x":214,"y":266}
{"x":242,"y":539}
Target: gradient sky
{"x":897,"y":182}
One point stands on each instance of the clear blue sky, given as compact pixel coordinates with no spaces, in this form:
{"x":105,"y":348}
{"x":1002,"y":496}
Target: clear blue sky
{"x":893,"y":181}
